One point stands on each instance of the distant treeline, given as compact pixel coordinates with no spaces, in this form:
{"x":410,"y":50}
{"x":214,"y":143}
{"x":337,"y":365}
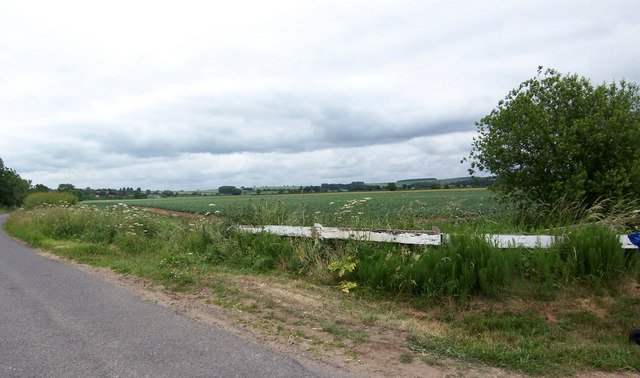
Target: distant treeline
{"x":355,"y":186}
{"x":360,"y":186}
{"x":105,"y":193}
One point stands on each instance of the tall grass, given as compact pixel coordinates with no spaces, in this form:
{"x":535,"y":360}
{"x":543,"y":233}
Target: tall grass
{"x":466,"y":266}
{"x":618,"y":214}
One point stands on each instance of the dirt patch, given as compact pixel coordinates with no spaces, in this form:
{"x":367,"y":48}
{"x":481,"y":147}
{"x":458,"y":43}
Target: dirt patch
{"x":587,"y":304}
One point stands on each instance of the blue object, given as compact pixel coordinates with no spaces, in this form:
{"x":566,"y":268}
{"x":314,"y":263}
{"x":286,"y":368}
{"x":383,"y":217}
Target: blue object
{"x":635,"y":239}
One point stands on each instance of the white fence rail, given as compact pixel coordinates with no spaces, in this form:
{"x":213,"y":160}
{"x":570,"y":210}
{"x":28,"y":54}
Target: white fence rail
{"x":434,"y":237}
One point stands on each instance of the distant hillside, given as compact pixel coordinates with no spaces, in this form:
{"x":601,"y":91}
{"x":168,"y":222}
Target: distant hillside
{"x":409,"y":181}
{"x":456,"y":182}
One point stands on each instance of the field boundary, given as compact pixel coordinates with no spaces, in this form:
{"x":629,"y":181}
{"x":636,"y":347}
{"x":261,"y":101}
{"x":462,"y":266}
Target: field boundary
{"x":415,"y":237}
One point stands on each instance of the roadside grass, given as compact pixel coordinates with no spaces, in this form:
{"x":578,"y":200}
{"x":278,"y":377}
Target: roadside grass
{"x":560,"y":311}
{"x":559,"y":337}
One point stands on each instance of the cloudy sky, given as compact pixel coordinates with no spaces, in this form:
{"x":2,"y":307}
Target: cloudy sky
{"x":197,"y":94}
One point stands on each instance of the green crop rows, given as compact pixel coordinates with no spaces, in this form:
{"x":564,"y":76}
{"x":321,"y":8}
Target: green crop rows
{"x":414,"y":209}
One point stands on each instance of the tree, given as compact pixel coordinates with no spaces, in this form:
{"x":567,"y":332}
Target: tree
{"x":226,"y":189}
{"x":168,"y":193}
{"x":66,"y":187}
{"x":40,"y":188}
{"x":13,"y":188}
{"x":69,"y":188}
{"x":139,"y":193}
{"x":558,"y":138}
{"x":392,"y":186}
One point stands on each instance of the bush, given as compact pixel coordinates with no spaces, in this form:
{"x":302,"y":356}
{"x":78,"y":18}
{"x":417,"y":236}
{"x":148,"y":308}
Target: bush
{"x":557,"y":138}
{"x":13,"y":188}
{"x":50,"y":198}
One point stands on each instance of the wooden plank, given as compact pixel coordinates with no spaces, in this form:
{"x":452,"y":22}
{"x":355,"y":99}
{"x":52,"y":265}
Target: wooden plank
{"x":318,"y":231}
{"x":526,"y":241}
{"x":296,"y":231}
{"x":433,"y":237}
{"x":386,"y":236}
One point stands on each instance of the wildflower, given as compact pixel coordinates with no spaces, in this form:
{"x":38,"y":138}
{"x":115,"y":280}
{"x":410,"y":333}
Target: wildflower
{"x":212,"y":204}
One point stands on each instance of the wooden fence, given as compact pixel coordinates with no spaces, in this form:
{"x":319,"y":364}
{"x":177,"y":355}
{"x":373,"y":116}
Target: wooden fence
{"x":433,"y":237}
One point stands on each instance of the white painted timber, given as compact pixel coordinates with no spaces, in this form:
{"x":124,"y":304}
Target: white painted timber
{"x":318,"y":231}
{"x":410,"y":237}
{"x":526,"y":241}
{"x":280,"y":230}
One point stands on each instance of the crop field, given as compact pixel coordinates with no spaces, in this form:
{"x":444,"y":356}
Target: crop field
{"x":413,"y":209}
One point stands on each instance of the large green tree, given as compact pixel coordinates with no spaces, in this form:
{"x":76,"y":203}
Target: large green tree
{"x":13,"y":188}
{"x":559,"y":138}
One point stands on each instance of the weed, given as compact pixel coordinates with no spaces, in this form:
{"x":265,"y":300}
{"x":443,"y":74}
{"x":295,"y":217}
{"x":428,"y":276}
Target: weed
{"x":352,"y":353}
{"x":340,"y":333}
{"x":431,"y":360}
{"x":406,"y":357}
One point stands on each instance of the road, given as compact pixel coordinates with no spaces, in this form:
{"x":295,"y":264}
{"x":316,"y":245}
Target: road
{"x":56,"y":320}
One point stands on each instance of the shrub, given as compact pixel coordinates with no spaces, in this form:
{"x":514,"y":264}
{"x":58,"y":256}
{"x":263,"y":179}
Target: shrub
{"x":52,"y":198}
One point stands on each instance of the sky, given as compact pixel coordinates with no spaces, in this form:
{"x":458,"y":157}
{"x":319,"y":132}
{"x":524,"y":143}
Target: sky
{"x":198,"y":94}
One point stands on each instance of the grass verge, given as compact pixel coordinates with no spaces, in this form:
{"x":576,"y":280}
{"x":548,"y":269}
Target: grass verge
{"x":562,"y":311}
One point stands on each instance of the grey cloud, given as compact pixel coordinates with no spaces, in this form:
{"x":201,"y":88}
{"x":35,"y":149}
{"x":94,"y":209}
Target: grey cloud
{"x":277,"y":124}
{"x":225,"y":96}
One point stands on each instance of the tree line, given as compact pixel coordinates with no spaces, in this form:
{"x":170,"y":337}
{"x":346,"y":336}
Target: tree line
{"x":14,"y":189}
{"x":360,"y":186}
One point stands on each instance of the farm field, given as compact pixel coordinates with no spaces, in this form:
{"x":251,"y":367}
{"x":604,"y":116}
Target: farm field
{"x":399,"y":209}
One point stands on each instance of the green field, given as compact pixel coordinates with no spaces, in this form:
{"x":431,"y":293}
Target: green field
{"x":400,"y":209}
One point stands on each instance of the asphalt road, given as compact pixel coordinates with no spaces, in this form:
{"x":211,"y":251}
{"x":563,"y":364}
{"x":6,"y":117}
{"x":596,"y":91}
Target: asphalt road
{"x":56,"y":320}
